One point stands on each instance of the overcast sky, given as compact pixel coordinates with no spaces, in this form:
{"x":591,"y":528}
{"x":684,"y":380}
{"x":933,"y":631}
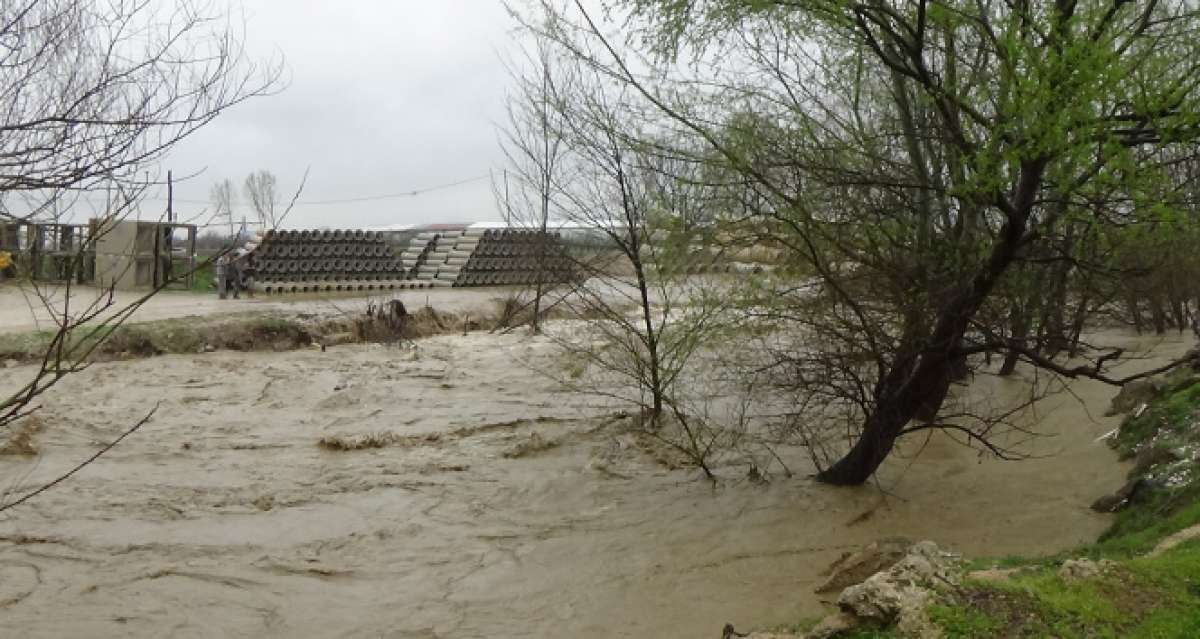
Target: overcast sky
{"x":385,"y":96}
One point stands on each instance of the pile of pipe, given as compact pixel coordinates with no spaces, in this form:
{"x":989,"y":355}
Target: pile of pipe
{"x":483,"y":257}
{"x":324,"y":261}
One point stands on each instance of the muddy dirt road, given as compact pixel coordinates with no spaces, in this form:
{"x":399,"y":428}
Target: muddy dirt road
{"x":22,"y":310}
{"x":497,"y":509}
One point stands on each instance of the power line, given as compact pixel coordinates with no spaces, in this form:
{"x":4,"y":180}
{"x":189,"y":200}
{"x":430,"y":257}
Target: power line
{"x":365,"y":198}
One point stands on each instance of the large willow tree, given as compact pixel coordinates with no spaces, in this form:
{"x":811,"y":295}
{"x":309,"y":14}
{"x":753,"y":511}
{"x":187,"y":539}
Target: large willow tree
{"x":928,"y":161}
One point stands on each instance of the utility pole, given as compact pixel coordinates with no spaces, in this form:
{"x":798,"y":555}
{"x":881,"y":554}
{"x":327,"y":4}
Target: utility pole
{"x":170,"y":199}
{"x":507,"y":205}
{"x":169,"y":231}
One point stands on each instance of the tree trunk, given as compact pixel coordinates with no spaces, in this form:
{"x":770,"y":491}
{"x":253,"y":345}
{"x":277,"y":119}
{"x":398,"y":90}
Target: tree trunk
{"x":1158,"y":316}
{"x":1019,"y":332}
{"x":873,"y":446}
{"x":916,"y":379}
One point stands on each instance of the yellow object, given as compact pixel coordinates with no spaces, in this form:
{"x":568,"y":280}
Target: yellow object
{"x":5,"y":260}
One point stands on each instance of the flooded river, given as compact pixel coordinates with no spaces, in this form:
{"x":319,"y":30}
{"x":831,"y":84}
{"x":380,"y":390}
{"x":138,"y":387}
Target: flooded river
{"x":224,"y":517}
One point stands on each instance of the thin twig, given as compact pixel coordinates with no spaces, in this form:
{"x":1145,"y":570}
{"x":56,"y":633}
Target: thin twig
{"x":84,"y":463}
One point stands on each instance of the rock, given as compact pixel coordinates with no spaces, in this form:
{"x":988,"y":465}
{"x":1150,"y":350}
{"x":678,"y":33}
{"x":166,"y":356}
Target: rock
{"x":1078,"y":569}
{"x":1135,"y":393}
{"x":855,"y":568}
{"x":11,"y":363}
{"x":901,"y":593}
{"x":729,"y":632}
{"x":832,"y":626}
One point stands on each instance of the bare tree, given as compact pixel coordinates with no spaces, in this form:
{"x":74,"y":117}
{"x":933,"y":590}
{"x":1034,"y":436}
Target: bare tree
{"x":261,"y":190}
{"x":224,"y":196}
{"x":584,"y":166}
{"x":93,"y":94}
{"x":533,"y":146}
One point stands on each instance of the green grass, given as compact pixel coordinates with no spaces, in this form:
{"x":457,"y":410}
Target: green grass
{"x":1140,"y":596}
{"x":202,"y":281}
{"x":1171,"y":418}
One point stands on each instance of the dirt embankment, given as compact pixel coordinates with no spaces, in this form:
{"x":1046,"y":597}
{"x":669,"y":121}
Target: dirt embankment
{"x":249,"y":332}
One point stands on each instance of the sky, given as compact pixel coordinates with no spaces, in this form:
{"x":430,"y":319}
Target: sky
{"x":383,"y":97}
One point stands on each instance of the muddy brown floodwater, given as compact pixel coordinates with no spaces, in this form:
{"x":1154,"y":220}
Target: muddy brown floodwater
{"x":223,"y":516}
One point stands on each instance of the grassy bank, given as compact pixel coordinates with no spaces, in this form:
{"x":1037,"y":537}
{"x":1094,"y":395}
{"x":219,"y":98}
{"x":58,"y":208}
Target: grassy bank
{"x":240,"y":332}
{"x":244,"y":332}
{"x":1147,"y":572}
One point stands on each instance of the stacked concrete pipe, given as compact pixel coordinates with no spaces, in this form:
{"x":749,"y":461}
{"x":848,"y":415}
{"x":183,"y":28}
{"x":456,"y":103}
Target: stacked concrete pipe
{"x":324,"y":261}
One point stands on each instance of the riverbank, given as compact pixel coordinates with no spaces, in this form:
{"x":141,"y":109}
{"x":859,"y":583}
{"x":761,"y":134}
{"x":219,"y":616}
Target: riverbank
{"x":1140,"y":578}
